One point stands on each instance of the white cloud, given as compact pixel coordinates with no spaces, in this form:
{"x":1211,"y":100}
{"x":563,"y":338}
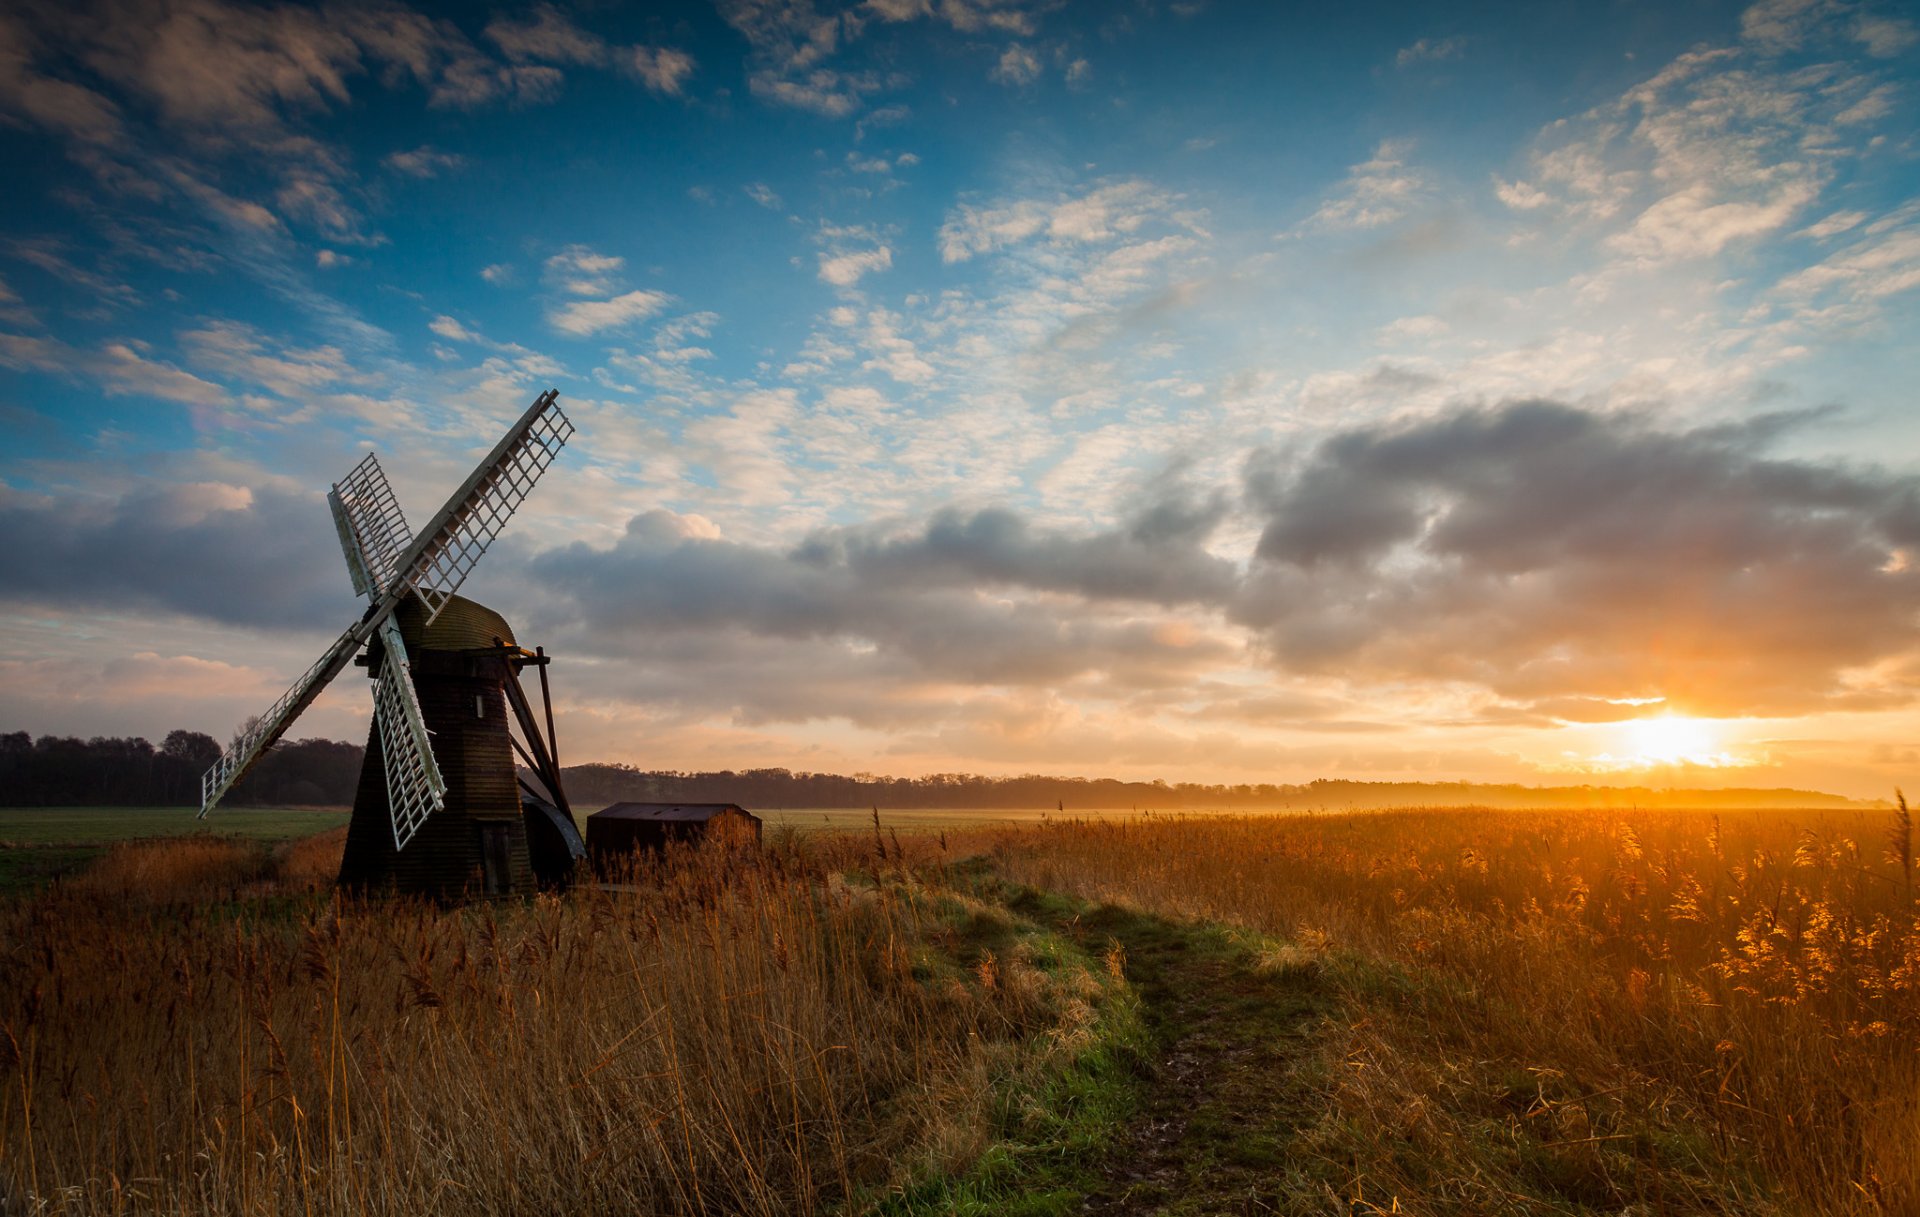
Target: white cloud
{"x":764,"y":195}
{"x":1375,"y":192}
{"x":1099,"y":215}
{"x":663,"y":69}
{"x":1838,"y":222}
{"x":1695,"y":223}
{"x":825,"y":92}
{"x":447,"y":327}
{"x":424,"y":162}
{"x":579,"y":271}
{"x":1884,"y":261}
{"x":1723,"y":146}
{"x":548,"y":37}
{"x":1424,"y":326}
{"x":125,"y":371}
{"x":583,"y":317}
{"x":846,"y":269}
{"x":1520,"y":196}
{"x":1430,"y":50}
{"x":1017,"y":66}
{"x":497,"y":273}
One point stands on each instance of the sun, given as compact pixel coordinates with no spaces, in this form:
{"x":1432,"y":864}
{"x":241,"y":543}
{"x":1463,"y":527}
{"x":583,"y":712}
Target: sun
{"x":1673,"y":739}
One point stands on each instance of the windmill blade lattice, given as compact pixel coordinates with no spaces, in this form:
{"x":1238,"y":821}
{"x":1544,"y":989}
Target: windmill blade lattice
{"x":415,"y":789}
{"x":480,"y":509}
{"x":260,"y":734}
{"x":370,"y":516}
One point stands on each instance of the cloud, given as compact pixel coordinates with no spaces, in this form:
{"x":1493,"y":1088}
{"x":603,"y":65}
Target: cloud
{"x":966,"y":16}
{"x":1102,"y":214}
{"x":1376,"y":191}
{"x":121,"y":369}
{"x":916,"y":597}
{"x":547,"y":37}
{"x":1721,"y":147}
{"x":448,"y":328}
{"x":1883,"y":260}
{"x":1430,"y":50}
{"x":255,"y":556}
{"x":846,"y":269}
{"x":662,"y":69}
{"x":827,"y":93}
{"x":45,"y":100}
{"x":424,"y":162}
{"x":792,"y":41}
{"x":583,"y":317}
{"x":579,"y":271}
{"x":763,"y":194}
{"x":239,"y":353}
{"x":1791,"y":25}
{"x":1541,"y":551}
{"x":1017,"y":66}
{"x":497,"y":273}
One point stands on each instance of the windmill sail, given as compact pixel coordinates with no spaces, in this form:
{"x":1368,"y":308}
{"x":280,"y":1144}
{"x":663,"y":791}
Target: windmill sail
{"x":434,"y":566}
{"x":415,"y":789}
{"x":260,"y":734}
{"x":373,"y":534}
{"x":452,"y":544}
{"x":373,"y":529}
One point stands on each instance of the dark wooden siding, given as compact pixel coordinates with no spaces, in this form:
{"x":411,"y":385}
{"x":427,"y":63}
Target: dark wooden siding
{"x":476,"y":758}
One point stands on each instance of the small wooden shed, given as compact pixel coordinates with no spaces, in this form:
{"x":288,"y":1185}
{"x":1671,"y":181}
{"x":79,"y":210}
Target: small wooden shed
{"x":626,"y":827}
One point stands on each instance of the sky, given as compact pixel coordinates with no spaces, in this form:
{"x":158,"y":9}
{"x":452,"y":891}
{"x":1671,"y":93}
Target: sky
{"x":1196,"y":390}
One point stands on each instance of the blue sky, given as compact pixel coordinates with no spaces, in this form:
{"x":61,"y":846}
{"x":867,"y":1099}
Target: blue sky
{"x":1194,"y":390}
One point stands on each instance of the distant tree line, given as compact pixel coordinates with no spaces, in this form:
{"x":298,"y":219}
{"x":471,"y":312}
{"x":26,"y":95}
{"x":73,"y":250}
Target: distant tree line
{"x":55,"y":771}
{"x":61,"y":771}
{"x":592,"y":786}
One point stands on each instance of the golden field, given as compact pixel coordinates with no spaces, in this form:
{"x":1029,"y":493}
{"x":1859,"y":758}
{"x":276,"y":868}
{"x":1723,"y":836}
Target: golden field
{"x":1493,"y":1012}
{"x":1723,"y":1004}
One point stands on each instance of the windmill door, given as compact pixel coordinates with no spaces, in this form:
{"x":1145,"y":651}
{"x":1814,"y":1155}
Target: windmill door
{"x":496,"y":858}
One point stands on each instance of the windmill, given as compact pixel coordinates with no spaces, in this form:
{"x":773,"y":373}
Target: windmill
{"x":440,"y":807}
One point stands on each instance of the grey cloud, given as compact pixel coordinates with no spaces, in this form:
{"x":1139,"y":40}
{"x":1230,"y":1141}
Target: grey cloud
{"x":1546,"y":552}
{"x":219,"y":552}
{"x":1155,"y":557}
{"x":915,"y":597}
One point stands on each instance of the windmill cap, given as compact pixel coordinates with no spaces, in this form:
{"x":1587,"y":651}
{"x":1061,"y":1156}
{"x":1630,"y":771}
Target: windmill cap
{"x":463,"y":625}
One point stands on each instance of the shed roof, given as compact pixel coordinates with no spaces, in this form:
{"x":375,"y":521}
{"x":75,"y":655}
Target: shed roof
{"x":669,"y":811}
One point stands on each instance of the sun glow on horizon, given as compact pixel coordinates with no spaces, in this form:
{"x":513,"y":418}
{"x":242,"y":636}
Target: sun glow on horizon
{"x":1668,"y":740}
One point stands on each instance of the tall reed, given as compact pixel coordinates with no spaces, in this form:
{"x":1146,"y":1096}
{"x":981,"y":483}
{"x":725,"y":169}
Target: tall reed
{"x":1643,"y":978}
{"x":739,"y":1033}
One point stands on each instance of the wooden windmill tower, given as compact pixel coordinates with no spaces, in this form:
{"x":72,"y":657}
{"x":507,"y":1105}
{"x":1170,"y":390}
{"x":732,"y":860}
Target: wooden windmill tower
{"x":440,"y":808}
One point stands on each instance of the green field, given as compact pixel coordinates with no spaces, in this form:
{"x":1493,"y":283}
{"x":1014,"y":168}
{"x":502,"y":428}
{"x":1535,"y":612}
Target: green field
{"x":41,"y":843}
{"x":100,"y":826}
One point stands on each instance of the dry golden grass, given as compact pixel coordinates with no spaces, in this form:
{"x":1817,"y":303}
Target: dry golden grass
{"x":1572,"y":1000}
{"x":740,"y":1033}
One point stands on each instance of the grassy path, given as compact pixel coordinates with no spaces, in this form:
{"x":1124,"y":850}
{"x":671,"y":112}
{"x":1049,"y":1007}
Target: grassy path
{"x":1234,"y":1033}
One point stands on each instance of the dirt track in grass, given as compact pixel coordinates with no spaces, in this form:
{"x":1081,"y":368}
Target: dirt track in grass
{"x":1236,"y":1040}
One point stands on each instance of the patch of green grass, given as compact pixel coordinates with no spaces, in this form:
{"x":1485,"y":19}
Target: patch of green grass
{"x":1054,"y":1124}
{"x":40,"y":844}
{"x":105,"y":825}
{"x":29,"y":868}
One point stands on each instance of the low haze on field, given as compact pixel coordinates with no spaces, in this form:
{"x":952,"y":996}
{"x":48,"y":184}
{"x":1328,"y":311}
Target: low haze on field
{"x":1191,"y":390}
